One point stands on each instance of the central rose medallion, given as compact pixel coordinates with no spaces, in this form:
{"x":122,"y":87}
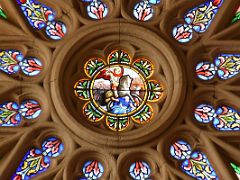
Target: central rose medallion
{"x":118,"y":89}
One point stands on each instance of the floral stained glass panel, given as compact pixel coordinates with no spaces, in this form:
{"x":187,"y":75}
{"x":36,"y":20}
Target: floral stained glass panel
{"x":92,"y":170}
{"x":226,"y":66}
{"x":140,"y":170}
{"x":41,"y":16}
{"x":143,"y":11}
{"x":195,"y":164}
{"x":96,"y":9}
{"x":12,"y":61}
{"x":118,"y":89}
{"x":11,"y":113}
{"x":197,"y":19}
{"x":224,"y":118}
{"x":37,"y":161}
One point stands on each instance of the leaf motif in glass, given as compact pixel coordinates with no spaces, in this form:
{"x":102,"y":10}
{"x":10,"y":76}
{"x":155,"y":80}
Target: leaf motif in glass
{"x":204,"y":113}
{"x":206,"y":70}
{"x":237,"y":16}
{"x":199,"y":167}
{"x":2,"y":13}
{"x":227,"y":119}
{"x":41,"y":16}
{"x":30,"y":109}
{"x":197,"y":19}
{"x":37,"y":161}
{"x":96,"y":9}
{"x":195,"y":164}
{"x":93,"y":169}
{"x":9,"y":114}
{"x":228,"y":65}
{"x":236,"y":169}
{"x":140,"y":170}
{"x":143,"y":11}
{"x":31,"y":66}
{"x":11,"y":61}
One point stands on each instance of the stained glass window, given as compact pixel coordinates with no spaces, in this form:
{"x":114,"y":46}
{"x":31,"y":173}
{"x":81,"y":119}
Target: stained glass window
{"x":11,"y":61}
{"x":144,"y":11}
{"x":236,"y":169}
{"x":194,"y":164}
{"x":92,"y":170}
{"x":41,"y":16}
{"x":224,"y":118}
{"x":2,"y":13}
{"x":119,"y":89}
{"x":96,"y":9}
{"x":196,"y":20}
{"x":11,"y":113}
{"x":225,"y":66}
{"x":37,"y":161}
{"x":237,"y":16}
{"x":140,"y":170}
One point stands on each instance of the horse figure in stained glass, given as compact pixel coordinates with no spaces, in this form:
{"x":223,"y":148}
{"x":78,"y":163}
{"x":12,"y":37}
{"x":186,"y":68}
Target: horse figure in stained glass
{"x":37,"y":161}
{"x":119,"y":99}
{"x":194,"y":164}
{"x":119,"y":89}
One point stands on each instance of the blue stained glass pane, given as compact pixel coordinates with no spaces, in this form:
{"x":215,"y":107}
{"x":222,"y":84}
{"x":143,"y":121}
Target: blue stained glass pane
{"x":140,"y":170}
{"x":204,"y":113}
{"x":33,"y":163}
{"x":180,"y":150}
{"x":36,"y":13}
{"x":154,"y":1}
{"x":183,"y":33}
{"x":96,"y":9}
{"x":205,"y":70}
{"x":201,"y":16}
{"x":56,"y":30}
{"x":30,"y":109}
{"x":197,"y":19}
{"x":227,"y":119}
{"x":9,"y":115}
{"x":52,"y":147}
{"x":9,"y":61}
{"x":93,"y":169}
{"x":143,"y":11}
{"x":37,"y":161}
{"x":199,"y":167}
{"x":31,"y":66}
{"x":228,"y":65}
